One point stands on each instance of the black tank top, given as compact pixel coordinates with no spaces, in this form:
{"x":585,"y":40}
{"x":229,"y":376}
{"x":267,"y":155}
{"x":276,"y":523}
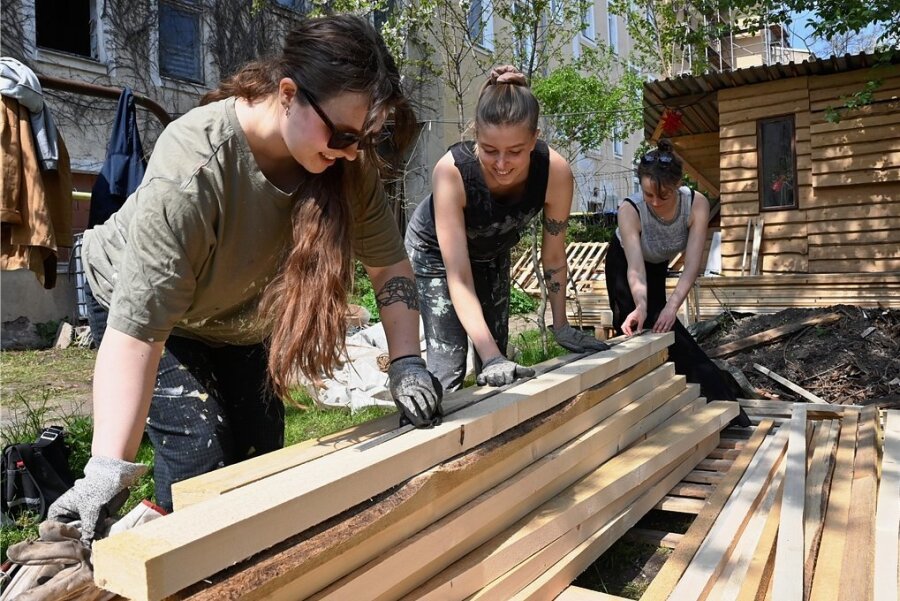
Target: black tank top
{"x":492,"y":228}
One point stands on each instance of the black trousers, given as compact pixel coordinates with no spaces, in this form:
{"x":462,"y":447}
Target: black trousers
{"x":211,"y":407}
{"x":685,"y":353}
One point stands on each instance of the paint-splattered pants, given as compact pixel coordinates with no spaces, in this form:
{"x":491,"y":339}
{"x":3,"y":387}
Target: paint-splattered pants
{"x":211,"y":407}
{"x":445,"y":338}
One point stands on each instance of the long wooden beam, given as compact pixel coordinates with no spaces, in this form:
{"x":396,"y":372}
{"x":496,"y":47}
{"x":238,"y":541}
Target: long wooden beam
{"x":159,"y":558}
{"x":772,"y":335}
{"x":231,"y":477}
{"x":790,"y":556}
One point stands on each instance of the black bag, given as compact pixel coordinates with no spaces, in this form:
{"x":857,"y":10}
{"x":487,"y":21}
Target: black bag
{"x":34,"y":475}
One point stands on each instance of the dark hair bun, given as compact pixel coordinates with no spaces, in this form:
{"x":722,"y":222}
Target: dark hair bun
{"x":665,"y":145}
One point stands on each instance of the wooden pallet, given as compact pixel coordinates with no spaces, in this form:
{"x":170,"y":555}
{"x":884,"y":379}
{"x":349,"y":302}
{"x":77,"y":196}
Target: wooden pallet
{"x":584,"y":260}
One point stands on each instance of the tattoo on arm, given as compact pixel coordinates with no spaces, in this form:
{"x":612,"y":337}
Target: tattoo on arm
{"x":398,"y":290}
{"x":552,"y":286}
{"x":554,"y":227}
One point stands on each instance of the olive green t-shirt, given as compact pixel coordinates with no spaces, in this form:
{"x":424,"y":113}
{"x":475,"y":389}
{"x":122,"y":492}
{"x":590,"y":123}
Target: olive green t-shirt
{"x":192,"y":249}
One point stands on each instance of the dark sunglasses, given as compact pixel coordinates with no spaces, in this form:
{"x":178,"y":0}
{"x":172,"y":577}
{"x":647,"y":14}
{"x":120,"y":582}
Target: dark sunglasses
{"x":340,"y":138}
{"x":654,"y":156}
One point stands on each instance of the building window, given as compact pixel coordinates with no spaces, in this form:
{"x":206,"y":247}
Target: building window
{"x":180,"y":49}
{"x":589,"y":31}
{"x":613,"y":28}
{"x":618,"y":142}
{"x":299,"y":6}
{"x":481,"y":23}
{"x":64,"y":25}
{"x":380,"y":17}
{"x":777,"y":162}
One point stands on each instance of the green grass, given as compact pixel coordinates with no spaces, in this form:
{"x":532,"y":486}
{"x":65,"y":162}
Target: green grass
{"x":527,"y":348}
{"x":620,"y":570}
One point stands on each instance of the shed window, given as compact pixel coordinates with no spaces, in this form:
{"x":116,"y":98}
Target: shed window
{"x":777,"y":162}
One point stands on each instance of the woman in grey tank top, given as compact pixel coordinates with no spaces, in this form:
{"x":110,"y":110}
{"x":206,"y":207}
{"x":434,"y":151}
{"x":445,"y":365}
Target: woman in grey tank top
{"x":665,"y":218}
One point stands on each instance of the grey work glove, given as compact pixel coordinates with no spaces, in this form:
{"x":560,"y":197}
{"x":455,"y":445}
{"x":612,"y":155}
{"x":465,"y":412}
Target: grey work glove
{"x":577,"y":341}
{"x":500,"y":371}
{"x":97,"y":496}
{"x":57,"y":566}
{"x":416,"y":391}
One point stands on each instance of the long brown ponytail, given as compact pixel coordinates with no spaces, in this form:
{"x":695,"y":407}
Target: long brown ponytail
{"x":305,"y":305}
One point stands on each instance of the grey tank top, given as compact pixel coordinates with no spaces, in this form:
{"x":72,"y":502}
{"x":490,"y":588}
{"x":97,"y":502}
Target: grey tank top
{"x":662,"y":240}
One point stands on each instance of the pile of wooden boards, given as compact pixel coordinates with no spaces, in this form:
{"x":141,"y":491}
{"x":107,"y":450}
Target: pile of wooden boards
{"x":510,"y":498}
{"x":811,"y":512}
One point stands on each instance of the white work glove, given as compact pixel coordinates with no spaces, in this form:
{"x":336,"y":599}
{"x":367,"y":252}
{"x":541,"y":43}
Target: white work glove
{"x":417,"y":393}
{"x":577,"y":341}
{"x":500,"y":371}
{"x":97,"y":496}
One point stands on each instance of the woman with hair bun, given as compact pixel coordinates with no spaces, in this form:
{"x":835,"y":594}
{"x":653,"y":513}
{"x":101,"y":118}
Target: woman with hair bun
{"x":227,"y":273}
{"x":655,"y":224}
{"x":484,"y":194}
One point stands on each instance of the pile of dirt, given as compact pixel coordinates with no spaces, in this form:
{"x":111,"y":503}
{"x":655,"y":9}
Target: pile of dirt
{"x":854,"y":360}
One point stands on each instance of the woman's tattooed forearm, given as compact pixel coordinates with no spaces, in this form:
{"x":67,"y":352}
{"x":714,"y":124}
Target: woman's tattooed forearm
{"x":552,"y":286}
{"x":554,"y":227}
{"x":398,"y":290}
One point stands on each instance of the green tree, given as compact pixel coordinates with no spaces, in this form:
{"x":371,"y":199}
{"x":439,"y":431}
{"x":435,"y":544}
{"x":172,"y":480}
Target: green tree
{"x":583,"y":111}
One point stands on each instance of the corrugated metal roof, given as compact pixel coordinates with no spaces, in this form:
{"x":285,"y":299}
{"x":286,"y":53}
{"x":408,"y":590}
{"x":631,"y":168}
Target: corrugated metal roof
{"x":695,"y":95}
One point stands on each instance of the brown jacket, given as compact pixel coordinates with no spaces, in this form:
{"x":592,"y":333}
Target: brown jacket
{"x":36,"y":207}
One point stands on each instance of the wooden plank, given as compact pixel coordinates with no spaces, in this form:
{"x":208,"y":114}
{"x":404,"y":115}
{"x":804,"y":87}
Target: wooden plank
{"x":857,"y":570}
{"x":826,"y":579}
{"x":746,"y":247}
{"x":692,"y":490}
{"x":757,"y":241}
{"x":703,"y":477}
{"x":708,"y":561}
{"x":772,"y":334}
{"x":556,"y":577}
{"x":297,"y":572}
{"x":662,"y":585}
{"x":887,"y":515}
{"x":680,"y":505}
{"x":159,"y":558}
{"x":789,"y":551}
{"x":734,"y":572}
{"x":788,"y":384}
{"x":818,"y":483}
{"x":422,"y":557}
{"x":759,"y":572}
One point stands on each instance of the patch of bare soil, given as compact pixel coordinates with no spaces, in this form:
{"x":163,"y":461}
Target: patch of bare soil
{"x":855,"y":360}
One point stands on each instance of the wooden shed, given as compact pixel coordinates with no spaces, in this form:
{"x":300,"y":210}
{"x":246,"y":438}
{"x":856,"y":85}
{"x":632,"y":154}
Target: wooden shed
{"x":819,"y":181}
{"x":764,"y":139}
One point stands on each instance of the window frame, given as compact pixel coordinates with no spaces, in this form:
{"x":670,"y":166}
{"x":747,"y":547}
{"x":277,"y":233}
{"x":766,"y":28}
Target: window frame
{"x":485,"y":39}
{"x":760,"y":165}
{"x":196,"y":9}
{"x":612,"y":29}
{"x":589,"y":32}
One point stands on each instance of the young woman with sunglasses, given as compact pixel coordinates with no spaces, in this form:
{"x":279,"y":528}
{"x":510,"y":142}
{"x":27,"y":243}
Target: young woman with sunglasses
{"x":655,"y":224}
{"x":485,"y":192}
{"x":227,"y":273}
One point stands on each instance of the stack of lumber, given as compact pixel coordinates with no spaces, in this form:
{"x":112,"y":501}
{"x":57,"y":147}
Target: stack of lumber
{"x":801,"y":515}
{"x":583,"y":259}
{"x":510,"y":498}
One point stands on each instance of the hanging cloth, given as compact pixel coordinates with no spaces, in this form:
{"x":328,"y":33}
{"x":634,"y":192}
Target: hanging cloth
{"x":19,"y":82}
{"x":124,"y":166}
{"x":36,"y":209}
